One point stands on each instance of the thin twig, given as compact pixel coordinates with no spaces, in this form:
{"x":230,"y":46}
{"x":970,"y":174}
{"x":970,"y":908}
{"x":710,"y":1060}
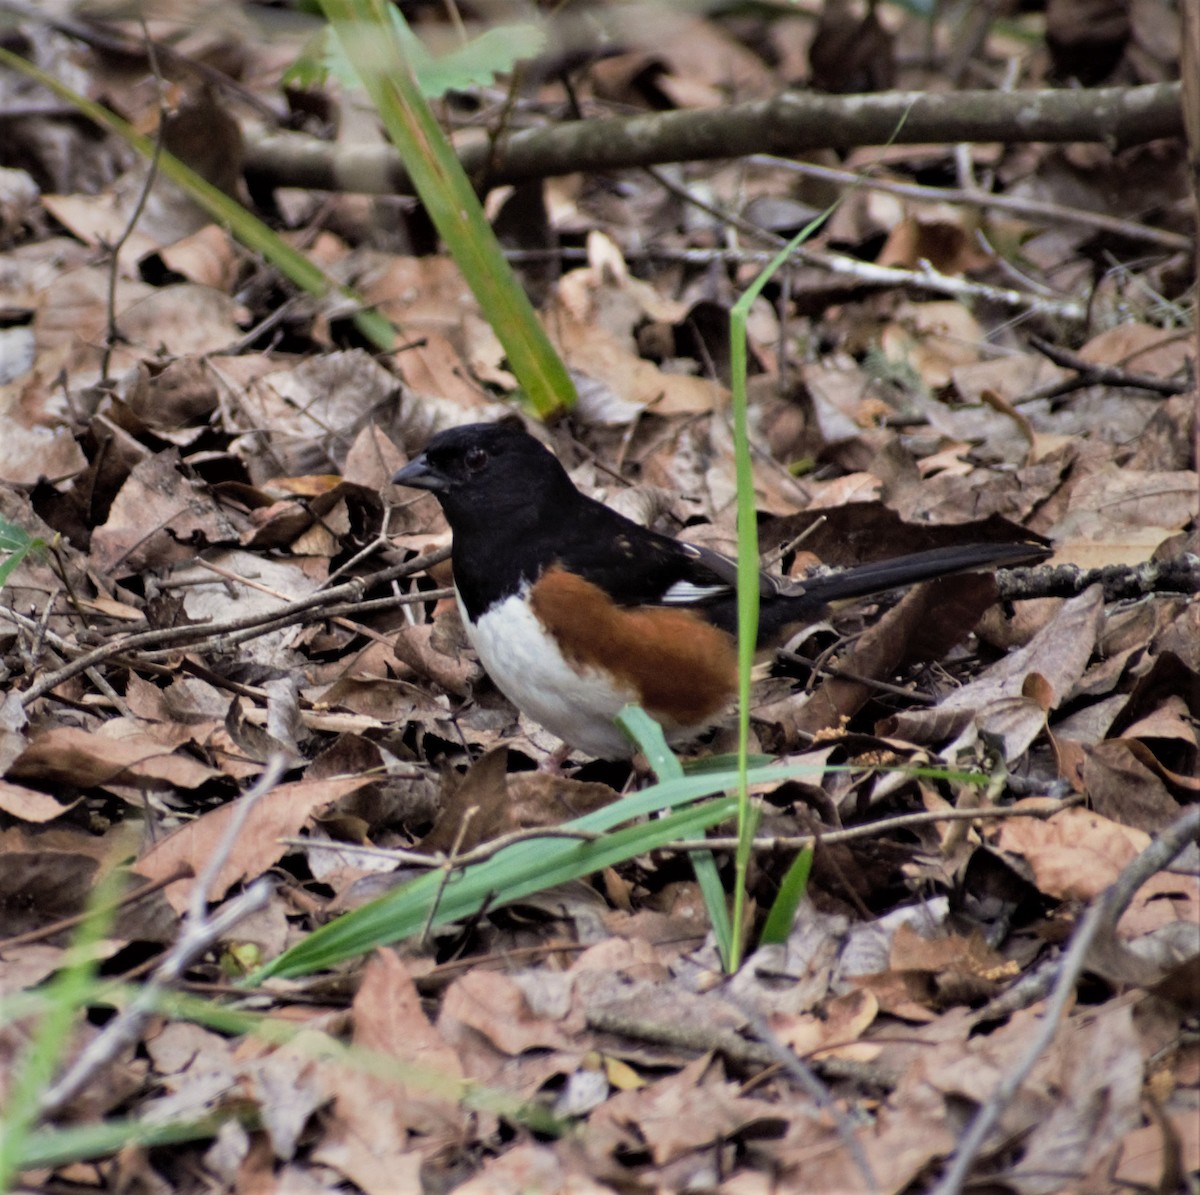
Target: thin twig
{"x":178,"y":636}
{"x":113,"y":333}
{"x":862,"y":273}
{"x":1091,"y":373}
{"x":1037,"y":209}
{"x":903,"y":821}
{"x":858,"y":678}
{"x":262,"y":626}
{"x":452,"y":862}
{"x":61,"y":648}
{"x":718,"y":212}
{"x":925,"y":277}
{"x":803,"y":1074}
{"x":1102,"y":916}
{"x":331,"y":615}
{"x":198,"y":933}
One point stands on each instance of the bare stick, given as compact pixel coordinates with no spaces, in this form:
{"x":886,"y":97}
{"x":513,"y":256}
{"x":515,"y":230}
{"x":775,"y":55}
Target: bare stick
{"x":113,"y":334}
{"x":450,"y":862}
{"x":1101,"y":916}
{"x":198,"y":932}
{"x":178,"y":636}
{"x":1091,"y":373}
{"x":786,"y":124}
{"x":1036,"y":209}
{"x":803,"y":1074}
{"x":903,"y":821}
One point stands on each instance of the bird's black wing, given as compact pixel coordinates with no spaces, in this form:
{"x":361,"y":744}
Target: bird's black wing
{"x":636,"y":566}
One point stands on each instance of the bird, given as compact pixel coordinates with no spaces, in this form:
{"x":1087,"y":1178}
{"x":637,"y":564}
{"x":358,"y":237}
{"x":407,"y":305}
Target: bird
{"x":576,"y":611}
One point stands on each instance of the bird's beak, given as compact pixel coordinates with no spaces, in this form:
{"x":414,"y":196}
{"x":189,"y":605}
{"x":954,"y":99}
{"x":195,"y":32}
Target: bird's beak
{"x":421,"y":475}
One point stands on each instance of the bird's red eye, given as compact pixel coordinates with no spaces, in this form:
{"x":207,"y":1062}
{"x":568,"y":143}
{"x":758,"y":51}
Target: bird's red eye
{"x":475,"y":459}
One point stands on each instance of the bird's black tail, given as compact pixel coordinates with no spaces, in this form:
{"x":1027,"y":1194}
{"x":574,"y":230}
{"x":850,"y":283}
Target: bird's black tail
{"x":902,"y":571}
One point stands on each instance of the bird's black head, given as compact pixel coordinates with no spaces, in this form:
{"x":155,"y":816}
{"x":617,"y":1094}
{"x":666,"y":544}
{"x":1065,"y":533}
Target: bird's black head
{"x":488,"y":473}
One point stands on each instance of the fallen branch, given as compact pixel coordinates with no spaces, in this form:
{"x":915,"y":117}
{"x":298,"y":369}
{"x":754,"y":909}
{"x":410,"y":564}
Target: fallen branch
{"x":1120,"y":582}
{"x":1090,"y":373}
{"x":250,"y":627}
{"x":787,"y":124}
{"x":1101,"y":917}
{"x":200,"y":931}
{"x":1023,"y":206}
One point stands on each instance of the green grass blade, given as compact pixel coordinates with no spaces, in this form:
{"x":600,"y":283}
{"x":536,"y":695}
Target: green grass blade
{"x":65,"y":995}
{"x":82,"y":1142}
{"x":708,"y":878}
{"x":369,"y":38}
{"x":747,"y":570}
{"x":647,"y":735}
{"x":705,"y":764}
{"x":518,"y":871}
{"x":473,"y":64}
{"x":791,"y":892}
{"x":531,"y":866}
{"x":652,"y":743}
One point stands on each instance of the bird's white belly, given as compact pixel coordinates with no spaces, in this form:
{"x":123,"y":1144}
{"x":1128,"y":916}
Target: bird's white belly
{"x":534,"y":675}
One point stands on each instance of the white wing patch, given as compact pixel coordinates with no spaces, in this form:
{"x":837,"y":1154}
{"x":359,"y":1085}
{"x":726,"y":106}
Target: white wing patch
{"x":687,"y":593}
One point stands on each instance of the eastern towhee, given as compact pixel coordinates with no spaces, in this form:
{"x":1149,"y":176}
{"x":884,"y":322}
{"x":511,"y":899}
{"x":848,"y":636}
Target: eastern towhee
{"x":576,"y":611}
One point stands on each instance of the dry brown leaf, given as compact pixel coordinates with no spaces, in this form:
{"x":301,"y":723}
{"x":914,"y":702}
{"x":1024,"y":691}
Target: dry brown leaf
{"x":31,"y":450}
{"x":1074,"y":855}
{"x":42,"y":880}
{"x":433,"y":366}
{"x":180,"y":519}
{"x":602,"y":357}
{"x":1121,"y":786}
{"x":834,"y":1034}
{"x":101,"y":219}
{"x":696,"y":50}
{"x":1140,"y":348}
{"x":934,"y":339}
{"x":29,"y":805}
{"x":474,"y":807}
{"x":209,"y":257}
{"x":379,"y":1119}
{"x":926,"y":623}
{"x":939,"y":234}
{"x":997,"y":698}
{"x":1120,"y":516}
{"x":280,"y":814}
{"x":1150,"y":1156}
{"x":418,"y":648}
{"x":1097,"y":1090}
{"x":529,"y":1167}
{"x":495,"y":1007}
{"x":681,"y":1113}
{"x":123,"y":752}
